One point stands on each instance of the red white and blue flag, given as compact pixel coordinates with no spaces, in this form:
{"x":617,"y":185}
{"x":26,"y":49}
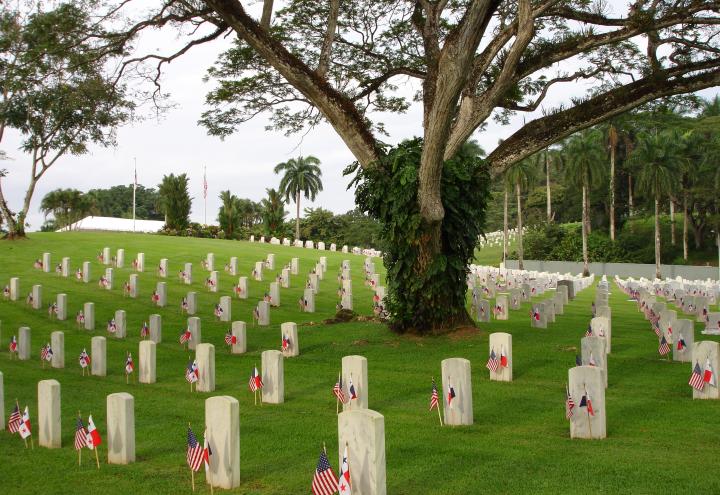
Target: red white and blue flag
{"x":24,"y":428}
{"x":709,"y":374}
{"x":324,"y":481}
{"x":13,"y":344}
{"x":493,"y":363}
{"x":14,"y":420}
{"x":696,"y":379}
{"x":191,"y":372}
{"x":569,"y":404}
{"x":186,"y":336}
{"x":80,"y":435}
{"x":255,"y":383}
{"x":46,"y":353}
{"x":587,"y":403}
{"x":84,"y":359}
{"x":93,"y":436}
{"x":450,"y":395}
{"x":351,"y":389}
{"x":338,"y":390}
{"x":344,"y":486}
{"x":195,"y":452}
{"x":664,"y":348}
{"x":434,"y":402}
{"x":503,"y":357}
{"x":129,"y":365}
{"x":681,"y":345}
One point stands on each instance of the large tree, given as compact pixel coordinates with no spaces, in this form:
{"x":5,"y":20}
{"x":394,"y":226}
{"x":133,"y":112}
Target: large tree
{"x":54,"y":90}
{"x":67,"y":206}
{"x":273,"y":213}
{"x":585,"y":169}
{"x":175,"y":201}
{"x":471,"y":60}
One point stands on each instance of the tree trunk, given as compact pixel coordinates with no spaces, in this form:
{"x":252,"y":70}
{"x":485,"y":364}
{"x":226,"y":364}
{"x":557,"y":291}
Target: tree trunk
{"x":612,"y":193}
{"x":297,"y":216}
{"x":657,"y":237}
{"x":630,"y":196}
{"x":519,"y":226}
{"x":586,"y":268}
{"x":547,"y":187}
{"x":672,"y":222}
{"x":505,"y":225}
{"x":685,"y":227}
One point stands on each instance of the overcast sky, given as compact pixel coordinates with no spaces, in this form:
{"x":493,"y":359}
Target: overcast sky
{"x":242,"y":163}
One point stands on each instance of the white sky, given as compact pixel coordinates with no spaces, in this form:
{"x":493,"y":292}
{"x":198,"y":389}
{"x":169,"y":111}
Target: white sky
{"x":242,"y":163}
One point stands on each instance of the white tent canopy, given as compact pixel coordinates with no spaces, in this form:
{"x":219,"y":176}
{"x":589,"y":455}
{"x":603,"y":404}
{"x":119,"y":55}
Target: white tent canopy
{"x":115,"y":225}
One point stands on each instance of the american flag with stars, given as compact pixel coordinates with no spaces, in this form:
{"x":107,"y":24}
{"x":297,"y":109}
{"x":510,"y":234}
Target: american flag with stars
{"x":696,"y":379}
{"x":324,"y":481}
{"x":493,"y":362}
{"x":195,"y":452}
{"x":15,"y":420}
{"x":434,"y":400}
{"x":81,"y":435}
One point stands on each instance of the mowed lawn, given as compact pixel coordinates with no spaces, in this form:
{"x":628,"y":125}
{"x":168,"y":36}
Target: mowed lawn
{"x":659,"y":439}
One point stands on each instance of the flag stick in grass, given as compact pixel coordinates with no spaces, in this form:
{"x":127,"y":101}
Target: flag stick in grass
{"x":587,"y":410}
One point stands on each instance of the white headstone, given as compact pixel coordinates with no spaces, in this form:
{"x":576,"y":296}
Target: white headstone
{"x":270,"y":262}
{"x":273,"y":391}
{"x":161,"y":291}
{"x":289,"y":338}
{"x":205,"y":356}
{"x":147,"y":371}
{"x":601,"y":328}
{"x":141,"y":262}
{"x":233,"y":266}
{"x":355,"y":373}
{"x":222,"y":424}
{"x":285,"y":278}
{"x":309,"y":299}
{"x":195,"y":331}
{"x":57,"y":343}
{"x":49,"y":414}
{"x":243,"y":284}
{"x":62,"y":307}
{"x":226,"y":307}
{"x":120,"y":324}
{"x":214,"y":281}
{"x":109,"y":278}
{"x":86,"y":271}
{"x":192,"y":303}
{"x":274,"y":294}
{"x":163,"y":272}
{"x":501,"y":307}
{"x":587,"y":381}
{"x":24,"y":343}
{"x":121,"y":428}
{"x":156,"y":328}
{"x":362,"y":432}
{"x":134,"y":288}
{"x":188,"y":274}
{"x":98,"y":356}
{"x":683,"y":340}
{"x":456,"y":378}
{"x":65,"y":267}
{"x":89,"y":311}
{"x":106,"y":256}
{"x":295,"y":266}
{"x":594,"y":354}
{"x":501,"y":345}
{"x":14,"y":289}
{"x":257,"y":273}
{"x":120,"y":258}
{"x":210,"y":260}
{"x":37,"y":297}
{"x":239,"y":331}
{"x":47,"y":262}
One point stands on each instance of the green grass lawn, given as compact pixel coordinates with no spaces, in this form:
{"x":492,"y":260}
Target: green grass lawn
{"x":659,"y":439}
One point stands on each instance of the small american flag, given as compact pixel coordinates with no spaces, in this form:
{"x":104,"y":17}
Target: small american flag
{"x":15,"y":419}
{"x":255,"y":382}
{"x":324,"y":482}
{"x":205,"y":184}
{"x":144,"y":331}
{"x":493,"y":363}
{"x":696,"y":379}
{"x":195,"y":452}
{"x":230,"y":339}
{"x":338,"y":390}
{"x":46,"y":353}
{"x":569,"y":404}
{"x":191,"y":372}
{"x":664,"y":348}
{"x":84,"y":359}
{"x":434,"y":400}
{"x":589,"y":332}
{"x":285,"y":343}
{"x":129,"y":365}
{"x":186,"y":336}
{"x":80,"y":435}
{"x":656,"y":327}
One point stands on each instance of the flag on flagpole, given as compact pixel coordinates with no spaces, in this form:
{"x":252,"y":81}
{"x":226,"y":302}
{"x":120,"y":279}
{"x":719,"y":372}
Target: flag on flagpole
{"x":195,"y":452}
{"x":24,"y":428}
{"x":492,"y":363}
{"x":344,"y":487}
{"x":207,"y":452}
{"x":230,"y":339}
{"x":589,"y":332}
{"x":255,"y":382}
{"x":324,"y":481}
{"x":587,"y":403}
{"x":144,"y":330}
{"x":14,"y":420}
{"x":696,"y":379}
{"x":709,"y":374}
{"x":434,"y":402}
{"x":186,"y":336}
{"x":46,"y":353}
{"x":351,"y":389}
{"x":205,"y":184}
{"x":129,"y":365}
{"x":93,"y":436}
{"x":338,"y":390}
{"x":80,"y":435}
{"x":664,"y":348}
{"x":569,"y":404}
{"x":191,"y":372}
{"x":285,"y":342}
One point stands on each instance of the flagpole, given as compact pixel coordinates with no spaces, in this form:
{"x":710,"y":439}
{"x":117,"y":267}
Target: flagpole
{"x":205,"y":191}
{"x":97,"y":459}
{"x":134,"y":190}
{"x":80,"y":449}
{"x":192,"y":478}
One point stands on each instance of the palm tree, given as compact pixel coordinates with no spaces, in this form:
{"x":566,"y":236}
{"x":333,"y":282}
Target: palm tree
{"x":273,"y":212}
{"x":66,"y":205}
{"x":585,"y":157}
{"x":301,"y":176}
{"x":657,"y":156}
{"x":229,"y":213}
{"x":521,"y":176}
{"x":612,"y":140}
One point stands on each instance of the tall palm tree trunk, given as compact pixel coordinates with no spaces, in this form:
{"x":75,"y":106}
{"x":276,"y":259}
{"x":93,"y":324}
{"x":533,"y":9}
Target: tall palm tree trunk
{"x":519,"y":226}
{"x":547,"y":187}
{"x":672,"y":222}
{"x":586,"y":268}
{"x":685,"y":227}
{"x":612,"y":193}
{"x":297,"y":216}
{"x":630,"y":196}
{"x":505,"y":225}
{"x":657,"y":236}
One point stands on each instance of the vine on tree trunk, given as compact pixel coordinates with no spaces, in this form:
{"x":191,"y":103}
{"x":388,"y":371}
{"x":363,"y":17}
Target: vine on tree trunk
{"x":427,"y":264}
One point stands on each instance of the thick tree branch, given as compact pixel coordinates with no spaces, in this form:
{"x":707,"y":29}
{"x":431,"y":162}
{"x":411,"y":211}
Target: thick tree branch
{"x":326,"y":50}
{"x":336,"y":108}
{"x":545,"y":131}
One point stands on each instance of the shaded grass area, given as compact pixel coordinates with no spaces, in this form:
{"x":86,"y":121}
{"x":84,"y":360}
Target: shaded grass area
{"x":658,"y":438}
